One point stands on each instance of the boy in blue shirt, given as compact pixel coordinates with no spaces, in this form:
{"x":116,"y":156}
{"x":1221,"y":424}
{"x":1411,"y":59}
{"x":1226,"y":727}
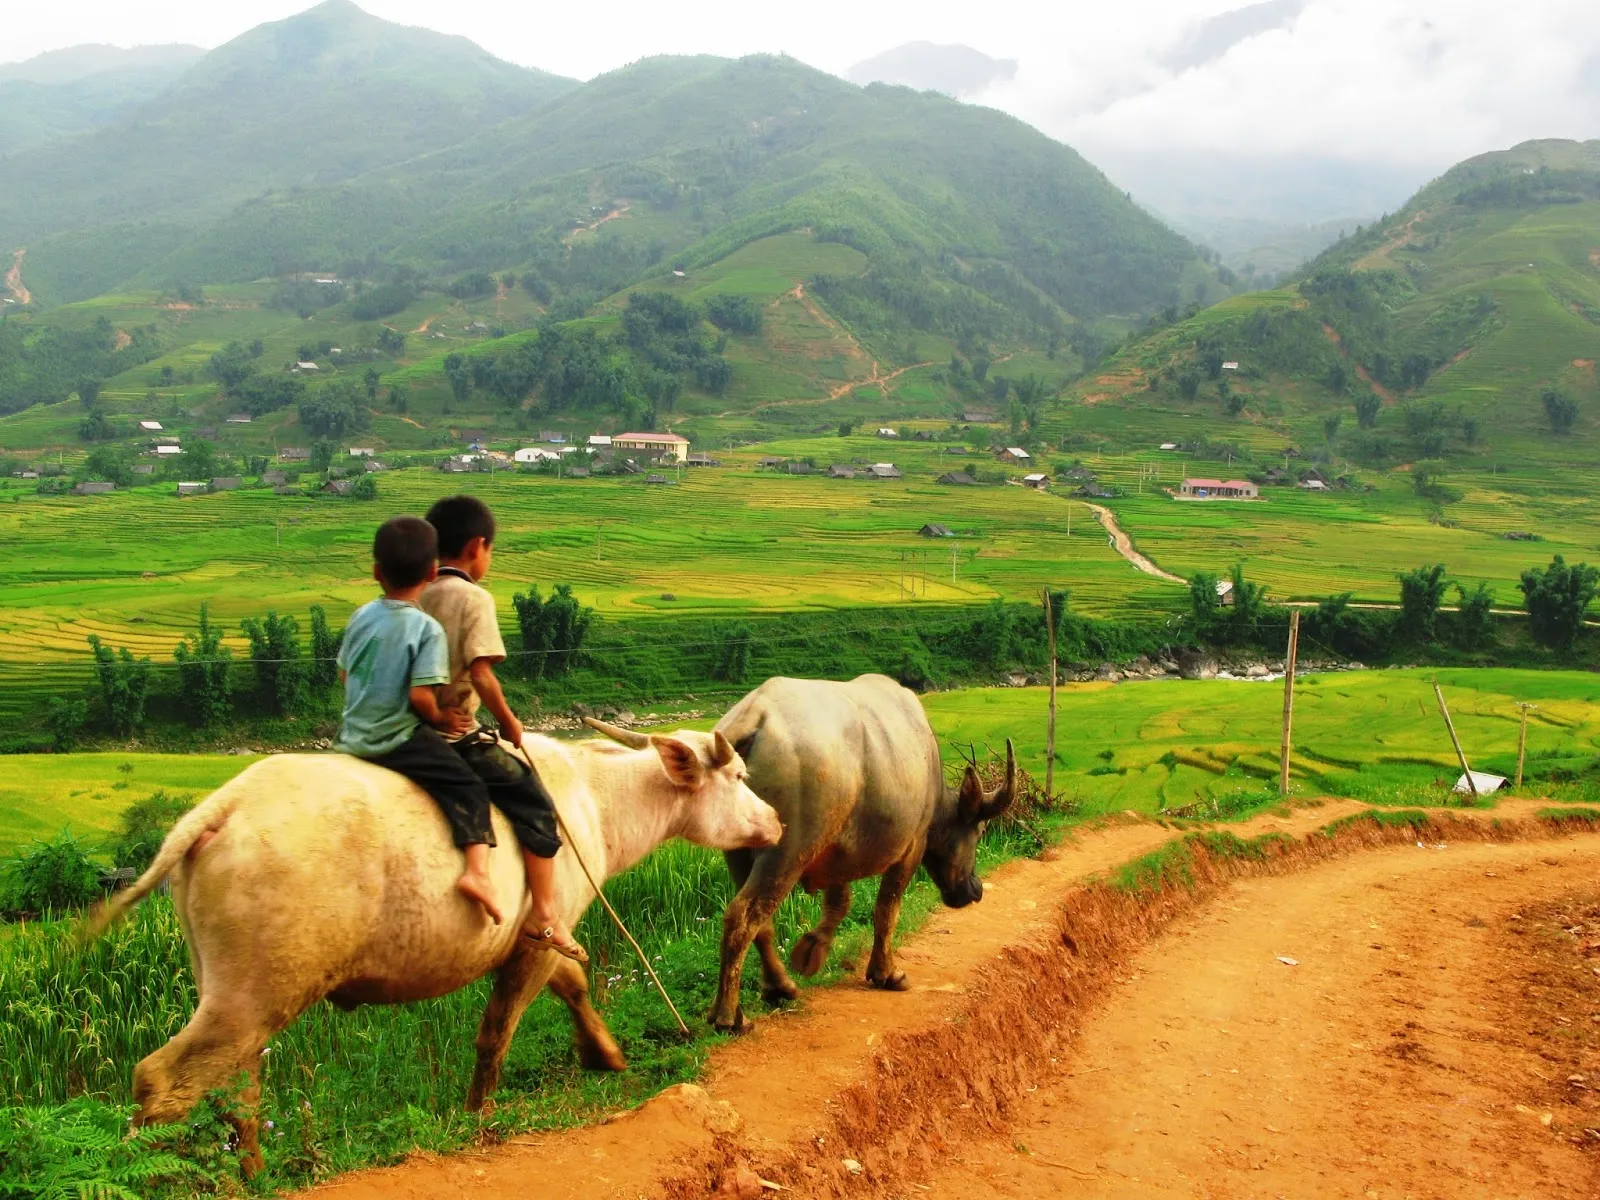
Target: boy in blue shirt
{"x":393,"y":659}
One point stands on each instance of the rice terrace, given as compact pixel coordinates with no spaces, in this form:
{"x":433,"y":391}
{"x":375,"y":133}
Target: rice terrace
{"x":1112,"y":636}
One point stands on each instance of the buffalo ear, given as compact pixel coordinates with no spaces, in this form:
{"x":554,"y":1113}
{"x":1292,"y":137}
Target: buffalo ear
{"x":969,"y":806}
{"x":721,"y":749}
{"x":682,"y":764}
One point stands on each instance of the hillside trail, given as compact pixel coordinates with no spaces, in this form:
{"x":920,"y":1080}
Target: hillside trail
{"x":857,"y":1092}
{"x":1362,"y":373}
{"x":1124,"y":544}
{"x":14,"y":282}
{"x":615,"y":214}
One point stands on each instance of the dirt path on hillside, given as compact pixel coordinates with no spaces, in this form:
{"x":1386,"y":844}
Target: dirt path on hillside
{"x":14,"y":283}
{"x":614,"y":214}
{"x":863,"y":1093}
{"x":1376,"y":258}
{"x":1124,"y":544}
{"x":1417,"y":1048}
{"x":1362,"y":373}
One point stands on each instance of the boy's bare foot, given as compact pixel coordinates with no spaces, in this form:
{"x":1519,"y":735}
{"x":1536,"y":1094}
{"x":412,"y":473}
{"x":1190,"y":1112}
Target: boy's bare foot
{"x":479,"y":888}
{"x":554,"y":935}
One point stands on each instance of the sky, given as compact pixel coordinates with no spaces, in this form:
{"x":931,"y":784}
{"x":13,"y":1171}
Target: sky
{"x":1405,"y":82}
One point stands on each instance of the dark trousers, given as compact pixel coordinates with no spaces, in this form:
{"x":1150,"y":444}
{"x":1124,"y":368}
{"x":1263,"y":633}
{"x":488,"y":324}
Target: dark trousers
{"x":515,"y":790}
{"x":432,"y":764}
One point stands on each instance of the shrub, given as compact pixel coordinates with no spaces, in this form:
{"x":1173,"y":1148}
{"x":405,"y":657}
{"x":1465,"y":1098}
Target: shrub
{"x":145,"y":825}
{"x":1421,"y":593}
{"x":323,"y":670}
{"x":65,"y":719}
{"x":1473,"y":626}
{"x":1556,"y":598}
{"x":49,"y":876}
{"x":552,"y":630}
{"x":382,"y":301}
{"x":736,"y":314}
{"x":733,"y":654}
{"x":124,"y":686}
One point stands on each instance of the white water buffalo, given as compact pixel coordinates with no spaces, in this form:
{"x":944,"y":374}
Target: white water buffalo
{"x":324,"y":876}
{"x":853,"y":772}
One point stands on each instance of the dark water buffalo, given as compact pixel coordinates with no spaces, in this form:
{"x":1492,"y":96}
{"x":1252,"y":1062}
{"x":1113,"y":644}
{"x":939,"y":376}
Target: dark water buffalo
{"x":853,"y":772}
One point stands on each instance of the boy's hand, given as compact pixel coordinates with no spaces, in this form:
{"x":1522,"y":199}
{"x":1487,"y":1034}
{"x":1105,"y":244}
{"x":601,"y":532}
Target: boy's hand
{"x":512,"y":732}
{"x":453,"y":722}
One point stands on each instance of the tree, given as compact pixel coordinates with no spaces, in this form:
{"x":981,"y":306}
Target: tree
{"x":1473,"y":627}
{"x":1421,"y":594}
{"x":1471,"y":430}
{"x":1330,"y":427}
{"x":1559,"y":409}
{"x":736,"y":314}
{"x":114,"y":463}
{"x":1338,"y":379}
{"x":275,"y":654}
{"x":65,"y":719}
{"x":322,"y":452}
{"x":1015,"y":414}
{"x":371,"y":380}
{"x":97,"y":427}
{"x":124,"y":686}
{"x":334,"y":411}
{"x":88,"y":391}
{"x":1204,"y":603}
{"x":553,"y":630}
{"x":398,"y":400}
{"x":1248,"y":607}
{"x":365,"y":488}
{"x":992,"y":636}
{"x":846,"y":428}
{"x":1557,"y":597}
{"x":1188,"y":385}
{"x":391,"y":341}
{"x":733,"y":654}
{"x":1367,"y":408}
{"x":460,"y":376}
{"x":231,"y":365}
{"x":198,"y":461}
{"x":205,"y":668}
{"x":323,"y":669}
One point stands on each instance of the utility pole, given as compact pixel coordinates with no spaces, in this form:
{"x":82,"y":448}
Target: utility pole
{"x":1522,"y":741}
{"x":1285,"y":749}
{"x":952,"y":566}
{"x":1461,"y":756}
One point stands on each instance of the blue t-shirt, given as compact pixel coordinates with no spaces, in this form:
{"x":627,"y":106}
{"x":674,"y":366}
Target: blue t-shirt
{"x":389,"y":648}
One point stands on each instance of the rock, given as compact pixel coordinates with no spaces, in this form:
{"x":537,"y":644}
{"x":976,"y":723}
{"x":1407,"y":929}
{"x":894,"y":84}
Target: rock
{"x":1016,"y":681}
{"x":581,"y":710}
{"x":852,"y":1166}
{"x":1355,"y":666}
{"x":1192,"y":664}
{"x":626,"y":719}
{"x":1108,"y":674}
{"x":1167,"y":665}
{"x":741,"y":1183}
{"x":1256,"y":671}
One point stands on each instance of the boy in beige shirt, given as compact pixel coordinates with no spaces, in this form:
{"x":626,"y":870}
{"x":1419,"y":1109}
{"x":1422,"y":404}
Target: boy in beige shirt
{"x":472,"y":633}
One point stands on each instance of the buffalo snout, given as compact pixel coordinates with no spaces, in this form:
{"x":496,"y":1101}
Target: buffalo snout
{"x":767,"y":829}
{"x":968,"y":891}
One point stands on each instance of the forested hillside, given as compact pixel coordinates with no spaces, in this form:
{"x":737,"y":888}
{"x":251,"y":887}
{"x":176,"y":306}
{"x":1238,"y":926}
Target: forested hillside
{"x":81,"y":88}
{"x":1465,"y":326}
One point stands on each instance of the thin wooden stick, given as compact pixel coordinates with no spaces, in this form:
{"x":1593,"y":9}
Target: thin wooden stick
{"x":1050,"y":729}
{"x":566,"y":835}
{"x":1461,"y":756}
{"x":1285,"y":750}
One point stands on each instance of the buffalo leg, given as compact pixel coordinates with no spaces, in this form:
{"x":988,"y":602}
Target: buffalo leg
{"x":597,"y":1049}
{"x":776,"y":986}
{"x":810,"y":953}
{"x":515,"y":985}
{"x":220,"y":1041}
{"x":750,"y":909}
{"x":881,"y":972}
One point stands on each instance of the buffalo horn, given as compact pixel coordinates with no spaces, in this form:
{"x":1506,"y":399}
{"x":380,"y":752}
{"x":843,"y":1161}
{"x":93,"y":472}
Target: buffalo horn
{"x":630,"y":739}
{"x":997,"y":801}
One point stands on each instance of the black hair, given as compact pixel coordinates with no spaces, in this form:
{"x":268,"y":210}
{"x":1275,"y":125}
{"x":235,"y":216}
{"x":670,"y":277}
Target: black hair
{"x":459,"y":519}
{"x":404,"y":549}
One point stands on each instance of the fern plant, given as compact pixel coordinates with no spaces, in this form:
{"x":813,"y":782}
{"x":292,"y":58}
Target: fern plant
{"x":81,"y":1151}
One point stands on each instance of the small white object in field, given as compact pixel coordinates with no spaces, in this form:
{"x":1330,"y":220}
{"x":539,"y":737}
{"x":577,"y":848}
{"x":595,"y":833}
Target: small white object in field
{"x":852,"y":1166}
{"x":1287,"y":961}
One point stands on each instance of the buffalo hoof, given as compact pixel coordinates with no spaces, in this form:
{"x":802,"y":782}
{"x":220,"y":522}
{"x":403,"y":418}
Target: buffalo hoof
{"x":780,"y":993}
{"x":810,"y":954}
{"x":896,"y":982}
{"x":737,"y":1025}
{"x":601,"y":1058}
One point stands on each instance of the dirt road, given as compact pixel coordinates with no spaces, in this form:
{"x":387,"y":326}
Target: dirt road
{"x":1124,"y":544}
{"x":1055,"y":1043}
{"x":14,"y":283}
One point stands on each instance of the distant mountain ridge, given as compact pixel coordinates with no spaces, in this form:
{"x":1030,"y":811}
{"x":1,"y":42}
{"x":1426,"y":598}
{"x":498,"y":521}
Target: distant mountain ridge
{"x":72,"y":63}
{"x":81,"y":88}
{"x":958,"y":71}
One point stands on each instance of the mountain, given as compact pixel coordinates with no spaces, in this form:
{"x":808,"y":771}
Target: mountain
{"x":81,"y":88}
{"x":958,"y":71}
{"x":305,"y":102}
{"x":1442,"y":331}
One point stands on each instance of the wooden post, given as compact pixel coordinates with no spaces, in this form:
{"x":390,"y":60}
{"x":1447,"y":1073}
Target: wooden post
{"x":1050,"y":728}
{"x":1522,"y":742}
{"x":1461,"y":757}
{"x":1285,"y":750}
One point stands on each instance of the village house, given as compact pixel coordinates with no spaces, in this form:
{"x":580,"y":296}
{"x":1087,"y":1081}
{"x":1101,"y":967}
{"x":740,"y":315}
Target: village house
{"x":294,"y":454}
{"x":932,"y":530}
{"x":303,"y":366}
{"x":555,"y":439}
{"x":577,"y":473}
{"x":799,"y":468}
{"x":239,"y":418}
{"x":168,"y":450}
{"x":193,"y":488}
{"x":923,"y":435}
{"x":93,"y":487}
{"x":658,"y":479}
{"x":957,"y":479}
{"x":150,"y":426}
{"x":884,"y":471}
{"x":454,"y":466}
{"x":1230,"y":366}
{"x":667,"y":447}
{"x":599,"y":441}
{"x":1039,"y":483}
{"x":338,"y":487}
{"x":702,"y":460}
{"x":285,"y":489}
{"x":362,"y":451}
{"x":372,"y":465}
{"x":535,"y":454}
{"x":1014,"y":454}
{"x":839,"y":472}
{"x":886,"y":432}
{"x":1313,"y":485}
{"x":275,"y":478}
{"x":144,"y":469}
{"x":225,"y":483}
{"x":1169,"y":445}
{"x":1218,"y":489}
{"x":978,"y":416}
